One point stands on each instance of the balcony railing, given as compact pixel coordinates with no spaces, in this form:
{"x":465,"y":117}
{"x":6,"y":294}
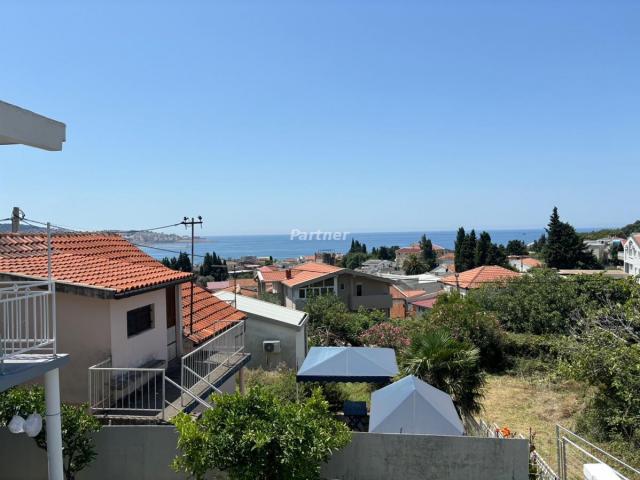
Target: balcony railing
{"x":155,"y":391}
{"x":27,"y":318}
{"x":202,"y":367}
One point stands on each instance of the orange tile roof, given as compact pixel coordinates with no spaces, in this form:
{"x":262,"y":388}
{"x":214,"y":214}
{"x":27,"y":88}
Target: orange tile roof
{"x":475,"y":277}
{"x":274,"y":276}
{"x":211,"y":315}
{"x":242,"y":291}
{"x":531,"y":262}
{"x":317,"y":267}
{"x":427,"y":303}
{"x":303,"y":276}
{"x":397,"y":293}
{"x":94,"y":260}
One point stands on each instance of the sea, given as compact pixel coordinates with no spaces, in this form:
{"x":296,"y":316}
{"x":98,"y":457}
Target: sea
{"x":283,"y":246}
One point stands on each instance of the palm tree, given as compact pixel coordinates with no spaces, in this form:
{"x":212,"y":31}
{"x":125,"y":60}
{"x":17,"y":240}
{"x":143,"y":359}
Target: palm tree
{"x":413,"y":265}
{"x":449,"y":365}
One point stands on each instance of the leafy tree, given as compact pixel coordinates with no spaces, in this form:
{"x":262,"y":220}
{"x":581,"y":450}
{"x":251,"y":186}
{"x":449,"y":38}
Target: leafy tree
{"x":428,"y":255}
{"x":269,"y":297}
{"x":516,"y":247}
{"x":448,"y":364}
{"x":182,"y":263}
{"x":538,"y":245}
{"x":357,"y":247}
{"x":607,"y":356}
{"x":564,"y":248}
{"x":497,"y":255}
{"x":457,"y":255}
{"x":78,"y":427}
{"x":468,"y":321}
{"x":413,"y":265}
{"x":386,"y":335}
{"x":354,"y":260}
{"x":214,"y":266}
{"x":331,"y":322}
{"x":258,"y":437}
{"x":483,"y":248}
{"x":385,"y":253}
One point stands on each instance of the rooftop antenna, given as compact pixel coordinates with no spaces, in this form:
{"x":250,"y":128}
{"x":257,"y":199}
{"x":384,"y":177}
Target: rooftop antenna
{"x":193,"y":222}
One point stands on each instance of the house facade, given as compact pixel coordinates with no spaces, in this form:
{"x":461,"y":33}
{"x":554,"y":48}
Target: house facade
{"x":125,"y":319}
{"x":356,"y":289}
{"x":274,"y":334}
{"x":524,"y":263}
{"x":632,"y":255}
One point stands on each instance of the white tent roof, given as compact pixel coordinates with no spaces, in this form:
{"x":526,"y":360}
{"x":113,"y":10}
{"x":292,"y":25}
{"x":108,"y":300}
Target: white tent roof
{"x":349,"y":364}
{"x":413,"y":406}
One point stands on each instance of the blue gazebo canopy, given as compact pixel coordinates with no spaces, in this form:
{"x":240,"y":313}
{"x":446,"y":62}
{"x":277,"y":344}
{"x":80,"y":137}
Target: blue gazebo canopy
{"x":348,"y":364}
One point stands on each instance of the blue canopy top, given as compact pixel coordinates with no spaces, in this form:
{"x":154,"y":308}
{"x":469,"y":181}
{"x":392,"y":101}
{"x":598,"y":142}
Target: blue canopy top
{"x":348,"y":364}
{"x":413,"y":406}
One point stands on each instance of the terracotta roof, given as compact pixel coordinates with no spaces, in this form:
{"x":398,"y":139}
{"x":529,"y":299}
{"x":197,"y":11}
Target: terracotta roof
{"x":274,"y":276}
{"x":241,"y":291}
{"x":428,"y":303}
{"x":475,"y":277}
{"x":268,"y":268}
{"x":244,"y":282}
{"x":93,"y":260}
{"x":303,"y":276}
{"x":317,"y":267}
{"x":211,"y":315}
{"x":403,"y":294}
{"x":531,"y":262}
{"x":409,"y":250}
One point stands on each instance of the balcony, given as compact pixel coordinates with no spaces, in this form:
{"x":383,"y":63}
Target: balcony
{"x":27,"y":332}
{"x":159,"y":392}
{"x":27,"y":323}
{"x":381,"y":301}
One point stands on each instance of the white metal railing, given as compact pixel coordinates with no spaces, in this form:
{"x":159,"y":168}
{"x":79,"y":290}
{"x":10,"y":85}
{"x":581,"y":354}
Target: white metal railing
{"x":118,"y":391}
{"x":199,"y":367}
{"x":27,"y":318}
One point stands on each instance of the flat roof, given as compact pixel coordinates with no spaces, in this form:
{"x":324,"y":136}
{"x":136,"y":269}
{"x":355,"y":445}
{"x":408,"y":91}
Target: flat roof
{"x":25,"y":367}
{"x":288,"y":316}
{"x":23,"y":127}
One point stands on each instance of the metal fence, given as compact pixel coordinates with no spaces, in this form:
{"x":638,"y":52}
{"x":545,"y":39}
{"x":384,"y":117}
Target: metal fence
{"x":538,"y":467}
{"x":574,"y":452}
{"x":27,"y":318}
{"x":136,"y":392}
{"x":204,"y":365}
{"x":133,"y":391}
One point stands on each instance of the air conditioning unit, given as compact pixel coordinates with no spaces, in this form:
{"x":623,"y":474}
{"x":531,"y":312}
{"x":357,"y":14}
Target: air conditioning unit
{"x":271,"y":346}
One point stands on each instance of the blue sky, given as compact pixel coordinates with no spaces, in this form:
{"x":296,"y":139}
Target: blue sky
{"x":334,"y":115}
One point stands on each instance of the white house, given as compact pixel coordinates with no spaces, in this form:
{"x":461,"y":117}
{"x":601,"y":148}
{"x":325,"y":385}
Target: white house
{"x":632,"y":255}
{"x":274,"y":334}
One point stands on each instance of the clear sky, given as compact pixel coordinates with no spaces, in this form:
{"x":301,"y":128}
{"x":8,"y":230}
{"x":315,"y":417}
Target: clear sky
{"x":335,"y":115}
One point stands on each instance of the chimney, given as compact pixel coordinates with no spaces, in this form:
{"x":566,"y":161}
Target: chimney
{"x":287,"y":273}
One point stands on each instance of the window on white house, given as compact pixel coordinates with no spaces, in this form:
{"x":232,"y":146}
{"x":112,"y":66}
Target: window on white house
{"x":139,"y":320}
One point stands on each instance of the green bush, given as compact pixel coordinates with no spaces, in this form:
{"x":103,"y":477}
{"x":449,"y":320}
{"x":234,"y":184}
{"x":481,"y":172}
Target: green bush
{"x":78,"y":427}
{"x":258,"y":437}
{"x":468,"y":321}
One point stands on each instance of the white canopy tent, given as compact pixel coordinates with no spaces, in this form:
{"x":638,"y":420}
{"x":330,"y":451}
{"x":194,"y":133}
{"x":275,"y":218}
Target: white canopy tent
{"x":413,"y":406}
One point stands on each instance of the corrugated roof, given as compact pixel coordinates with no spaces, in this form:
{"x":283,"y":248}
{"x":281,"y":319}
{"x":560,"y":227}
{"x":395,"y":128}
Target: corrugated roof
{"x":253,"y":306}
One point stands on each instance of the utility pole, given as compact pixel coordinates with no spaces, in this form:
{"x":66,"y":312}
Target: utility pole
{"x":193,"y":222}
{"x":16,"y":216}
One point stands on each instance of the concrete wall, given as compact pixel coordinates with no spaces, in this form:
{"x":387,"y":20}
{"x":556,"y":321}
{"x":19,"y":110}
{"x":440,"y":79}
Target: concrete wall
{"x":417,"y":457}
{"x":146,"y":452}
{"x":259,"y":329}
{"x":148,"y":345}
{"x":83,"y":332}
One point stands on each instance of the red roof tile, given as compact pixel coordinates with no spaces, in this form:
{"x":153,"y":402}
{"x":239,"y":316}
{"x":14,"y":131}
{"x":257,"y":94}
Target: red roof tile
{"x":475,"y":277}
{"x":211,"y":315}
{"x":94,"y":260}
{"x":428,"y":303}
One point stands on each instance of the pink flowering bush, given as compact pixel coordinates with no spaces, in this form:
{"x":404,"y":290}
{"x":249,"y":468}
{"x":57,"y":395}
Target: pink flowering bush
{"x":386,"y":334}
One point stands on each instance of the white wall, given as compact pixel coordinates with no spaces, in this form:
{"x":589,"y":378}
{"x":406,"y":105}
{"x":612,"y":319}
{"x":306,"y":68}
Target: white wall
{"x":259,"y":329}
{"x":146,"y":346}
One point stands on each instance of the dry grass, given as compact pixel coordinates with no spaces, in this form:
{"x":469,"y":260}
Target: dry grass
{"x":522,"y":403}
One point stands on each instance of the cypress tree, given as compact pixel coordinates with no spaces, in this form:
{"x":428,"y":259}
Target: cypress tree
{"x":482,"y":249}
{"x":457,"y":256}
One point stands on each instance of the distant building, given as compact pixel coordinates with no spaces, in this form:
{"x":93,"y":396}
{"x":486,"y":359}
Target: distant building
{"x":632,"y":254}
{"x":357,"y":289}
{"x":601,"y":247}
{"x":274,"y":334}
{"x":403,"y":301}
{"x":477,"y":277}
{"x":524,"y":263}
{"x":374,"y":266}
